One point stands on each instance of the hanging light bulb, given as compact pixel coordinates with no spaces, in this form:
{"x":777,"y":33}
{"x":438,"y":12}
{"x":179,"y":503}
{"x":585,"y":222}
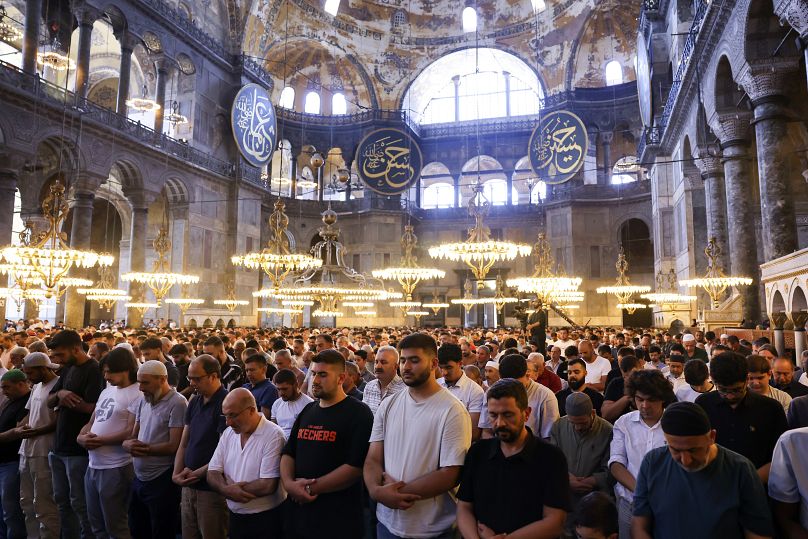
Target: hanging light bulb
{"x":143,"y":104}
{"x":174,"y":117}
{"x":55,"y":58}
{"x":8,"y":30}
{"x":469,"y":19}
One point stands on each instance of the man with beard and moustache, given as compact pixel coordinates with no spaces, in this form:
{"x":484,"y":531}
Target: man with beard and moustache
{"x":717,"y":492}
{"x":576,"y":380}
{"x":159,"y":422}
{"x":419,"y":442}
{"x":538,"y":507}
{"x":75,"y":394}
{"x":322,"y":462}
{"x":291,"y":402}
{"x":108,"y":481}
{"x":387,"y":382}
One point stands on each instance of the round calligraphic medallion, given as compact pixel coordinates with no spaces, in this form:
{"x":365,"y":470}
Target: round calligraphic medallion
{"x":388,"y":161}
{"x":557,"y":147}
{"x":644,"y":95}
{"x":253,"y":121}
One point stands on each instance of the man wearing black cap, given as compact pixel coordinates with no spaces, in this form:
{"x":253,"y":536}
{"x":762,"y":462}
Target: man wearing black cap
{"x":694,"y":480}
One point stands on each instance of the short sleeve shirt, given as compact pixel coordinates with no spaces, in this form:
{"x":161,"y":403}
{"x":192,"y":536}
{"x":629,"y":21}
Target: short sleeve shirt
{"x":284,"y":413}
{"x":86,"y":381}
{"x":788,"y":478}
{"x":725,"y":498}
{"x":112,"y":415}
{"x":39,"y":415}
{"x":12,"y":414}
{"x":509,"y":492}
{"x":466,"y":391}
{"x":155,"y":423}
{"x":265,"y":393}
{"x":598,"y":368}
{"x":205,"y":423}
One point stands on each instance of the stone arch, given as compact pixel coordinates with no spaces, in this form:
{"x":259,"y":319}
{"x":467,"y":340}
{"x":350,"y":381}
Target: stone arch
{"x":68,"y":155}
{"x":128,"y":173}
{"x":798,"y":299}
{"x":219,"y":324}
{"x":207,"y":324}
{"x":634,"y":234}
{"x":192,"y":323}
{"x":778,"y":303}
{"x":231,"y":323}
{"x":176,"y":191}
{"x":727,"y":94}
{"x":485,"y":167}
{"x":763,"y":33}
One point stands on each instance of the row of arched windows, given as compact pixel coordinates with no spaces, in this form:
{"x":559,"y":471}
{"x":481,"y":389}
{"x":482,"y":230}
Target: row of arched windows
{"x":312,"y":103}
{"x":442,"y":194}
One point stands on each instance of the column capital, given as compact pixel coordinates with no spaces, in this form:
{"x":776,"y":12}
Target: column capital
{"x":709,"y":163}
{"x":85,"y":14}
{"x":140,"y":198}
{"x":794,"y":12}
{"x":127,"y":40}
{"x":87,"y":182}
{"x":731,"y":128}
{"x":606,"y":137}
{"x":768,"y":79}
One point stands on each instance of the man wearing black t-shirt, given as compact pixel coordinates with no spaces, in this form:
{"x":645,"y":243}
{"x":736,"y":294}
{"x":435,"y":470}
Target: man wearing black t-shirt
{"x":321,"y":466}
{"x":514,"y":482}
{"x":74,"y":395}
{"x":576,"y":376}
{"x":16,"y":389}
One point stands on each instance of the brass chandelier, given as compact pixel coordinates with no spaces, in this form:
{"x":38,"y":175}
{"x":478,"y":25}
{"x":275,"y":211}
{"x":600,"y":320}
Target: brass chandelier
{"x":479,"y":252}
{"x":103,"y":292}
{"x":623,"y":290}
{"x":276,"y":259}
{"x":408,"y":273}
{"x":231,"y":302}
{"x":47,"y":257}
{"x":715,"y":282}
{"x":185,"y":301}
{"x":545,"y":283}
{"x":666,"y":297}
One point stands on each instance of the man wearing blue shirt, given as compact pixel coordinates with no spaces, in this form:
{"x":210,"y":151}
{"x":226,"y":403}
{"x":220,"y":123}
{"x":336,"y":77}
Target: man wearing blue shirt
{"x":263,"y":390}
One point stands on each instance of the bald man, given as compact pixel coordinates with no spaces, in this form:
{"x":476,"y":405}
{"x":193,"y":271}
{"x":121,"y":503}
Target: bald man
{"x":245,"y":468}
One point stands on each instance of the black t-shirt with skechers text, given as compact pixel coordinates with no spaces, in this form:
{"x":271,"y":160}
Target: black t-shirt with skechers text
{"x":322,"y":440}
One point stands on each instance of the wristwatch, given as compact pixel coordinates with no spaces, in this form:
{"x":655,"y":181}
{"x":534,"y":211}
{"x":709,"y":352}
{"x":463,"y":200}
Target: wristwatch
{"x":308,"y":489}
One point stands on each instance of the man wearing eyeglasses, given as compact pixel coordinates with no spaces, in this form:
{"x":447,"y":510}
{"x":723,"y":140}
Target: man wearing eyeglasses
{"x":745,"y":422}
{"x":203,"y":510}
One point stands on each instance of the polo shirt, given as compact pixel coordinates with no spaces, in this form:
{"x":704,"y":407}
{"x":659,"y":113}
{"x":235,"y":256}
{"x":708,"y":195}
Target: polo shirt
{"x":265,"y":393}
{"x":751,"y":429}
{"x":551,"y":380}
{"x":509,"y":493}
{"x":597,"y":399}
{"x":722,"y":500}
{"x":155,"y":424}
{"x":260,"y":458}
{"x":205,"y":423}
{"x":466,"y":391}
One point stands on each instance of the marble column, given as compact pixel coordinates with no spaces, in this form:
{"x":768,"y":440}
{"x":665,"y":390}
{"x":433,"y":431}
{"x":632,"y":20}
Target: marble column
{"x":160,"y":97}
{"x":293,"y":176}
{"x":606,"y":142}
{"x":740,"y":226}
{"x":799,"y":318}
{"x":125,"y":72}
{"x":85,"y":18}
{"x":8,"y":188}
{"x":137,"y":261}
{"x":712,"y":172}
{"x":456,"y":81}
{"x":778,"y":320}
{"x":30,"y":39}
{"x":82,"y":213}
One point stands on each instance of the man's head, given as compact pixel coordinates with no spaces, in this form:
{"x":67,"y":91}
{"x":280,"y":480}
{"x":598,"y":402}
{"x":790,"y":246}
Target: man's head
{"x":483,"y":354}
{"x":768,"y":351}
{"x":473,"y":372}
{"x":729,"y":373}
{"x":733,"y":342}
{"x":468,"y":356}
{"x":450,"y":358}
{"x":283,"y":359}
{"x":286,"y":383}
{"x":571,"y":352}
{"x":563,"y":334}
{"x":352,"y":376}
{"x":537,"y":360}
{"x":576,"y":374}
{"x":690,"y":438}
{"x":580,"y":412}
{"x":507,"y":409}
{"x":323,"y":342}
{"x":758,"y":374}
{"x":152,"y":349}
{"x":14,"y":384}
{"x":654,"y":353}
{"x":696,"y":372}
{"x":120,"y":367}
{"x":418,"y":359}
{"x":586,"y":352}
{"x":514,"y":366}
{"x":98,"y":350}
{"x":36,"y":367}
{"x":180,"y":353}
{"x":240,"y":411}
{"x":152,"y":377}
{"x":17,"y":356}
{"x":595,"y":517}
{"x":491,"y":372}
{"x":214,"y":346}
{"x":386,"y":364}
{"x":361,"y":360}
{"x":65,"y":347}
{"x":204,"y":374}
{"x":328,"y":374}
{"x":689,"y":342}
{"x":676,"y":364}
{"x":298,"y":347}
{"x":783,"y":372}
{"x":651,"y":393}
{"x":555,"y":354}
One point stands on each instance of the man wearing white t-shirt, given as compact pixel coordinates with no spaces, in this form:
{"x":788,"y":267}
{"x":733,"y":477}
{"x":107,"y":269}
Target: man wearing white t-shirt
{"x":417,"y":448}
{"x":108,"y":480}
{"x":564,"y":340}
{"x":597,"y":367}
{"x":286,"y":409}
{"x":461,"y":386}
{"x":245,"y":468}
{"x":36,"y":488}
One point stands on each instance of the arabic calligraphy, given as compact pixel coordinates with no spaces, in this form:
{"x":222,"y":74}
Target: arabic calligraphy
{"x":388,"y":161}
{"x":558,"y":147}
{"x":254,"y":125}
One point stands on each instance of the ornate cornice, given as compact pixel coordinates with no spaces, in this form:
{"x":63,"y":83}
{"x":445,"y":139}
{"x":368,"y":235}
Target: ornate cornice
{"x":795,"y":13}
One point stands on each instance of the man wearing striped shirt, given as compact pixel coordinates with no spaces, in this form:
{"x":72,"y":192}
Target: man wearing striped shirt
{"x":387,"y":381}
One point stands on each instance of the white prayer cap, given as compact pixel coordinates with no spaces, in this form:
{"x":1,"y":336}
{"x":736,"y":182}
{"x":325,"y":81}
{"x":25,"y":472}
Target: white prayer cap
{"x":493,"y":364}
{"x":153,"y":367}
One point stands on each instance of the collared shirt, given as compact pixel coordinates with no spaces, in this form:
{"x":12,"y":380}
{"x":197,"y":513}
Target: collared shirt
{"x":587,"y":454}
{"x":155,"y":423}
{"x":559,"y":368}
{"x":374,"y":394}
{"x":780,"y":396}
{"x":550,"y":379}
{"x":751,"y":428}
{"x":794,"y":389}
{"x":543,"y":404}
{"x":466,"y":391}
{"x":265,"y":393}
{"x":205,"y":423}
{"x":788,"y":478}
{"x":632,"y":439}
{"x":489,"y":478}
{"x":798,"y":413}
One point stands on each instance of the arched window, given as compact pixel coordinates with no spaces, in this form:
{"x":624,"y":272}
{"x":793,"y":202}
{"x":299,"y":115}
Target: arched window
{"x":312,"y":104}
{"x":338,"y":104}
{"x":399,"y":19}
{"x":539,"y":193}
{"x":287,"y":100}
{"x":618,"y":179}
{"x":438,"y":195}
{"x":625,"y":170}
{"x":496,"y":191}
{"x":469,"y":19}
{"x":614,"y":73}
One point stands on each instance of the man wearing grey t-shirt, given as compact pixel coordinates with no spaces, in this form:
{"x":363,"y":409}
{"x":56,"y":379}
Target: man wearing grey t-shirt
{"x":159,"y":420}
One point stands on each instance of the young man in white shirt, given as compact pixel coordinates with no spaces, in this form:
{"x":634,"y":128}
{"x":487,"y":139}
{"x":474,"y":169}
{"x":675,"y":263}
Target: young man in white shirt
{"x":461,"y":386}
{"x":286,"y":409}
{"x":108,"y":480}
{"x":563,"y":340}
{"x":245,"y":468}
{"x":417,"y":448}
{"x":36,"y":487}
{"x":597,"y":368}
